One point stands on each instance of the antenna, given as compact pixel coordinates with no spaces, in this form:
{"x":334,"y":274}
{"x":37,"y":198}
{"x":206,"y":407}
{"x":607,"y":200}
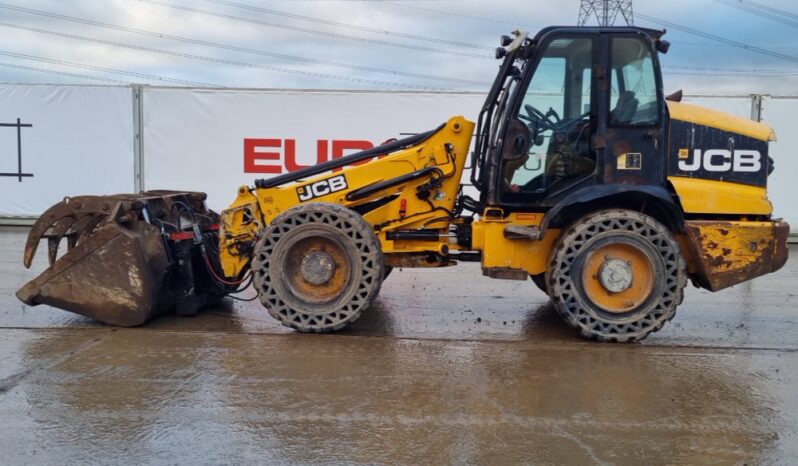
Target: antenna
{"x":605,"y":11}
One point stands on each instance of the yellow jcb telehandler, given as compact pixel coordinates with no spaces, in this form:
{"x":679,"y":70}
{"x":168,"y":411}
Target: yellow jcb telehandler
{"x":607,"y":193}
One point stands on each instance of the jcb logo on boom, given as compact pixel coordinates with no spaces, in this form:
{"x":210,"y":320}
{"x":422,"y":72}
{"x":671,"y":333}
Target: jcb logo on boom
{"x":721,"y":160}
{"x":321,"y":188}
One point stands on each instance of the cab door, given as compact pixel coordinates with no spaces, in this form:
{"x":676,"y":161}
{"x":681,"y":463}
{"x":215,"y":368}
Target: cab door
{"x":632,"y":122}
{"x":548,"y":147}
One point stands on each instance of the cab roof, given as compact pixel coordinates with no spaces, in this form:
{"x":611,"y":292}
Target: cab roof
{"x":654,"y":34}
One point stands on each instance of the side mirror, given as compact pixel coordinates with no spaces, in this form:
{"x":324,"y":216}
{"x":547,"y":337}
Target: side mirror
{"x":675,"y":97}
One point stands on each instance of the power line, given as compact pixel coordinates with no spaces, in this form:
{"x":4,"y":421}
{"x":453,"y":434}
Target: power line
{"x":226,"y":46}
{"x":64,"y":73}
{"x":734,"y":75}
{"x":723,"y":40}
{"x":105,"y":70}
{"x":461,"y":15}
{"x":734,"y":70}
{"x":314,"y":31}
{"x":751,"y":8}
{"x":770,"y":9}
{"x":218,"y":60}
{"x":707,"y":44}
{"x":348,"y":25}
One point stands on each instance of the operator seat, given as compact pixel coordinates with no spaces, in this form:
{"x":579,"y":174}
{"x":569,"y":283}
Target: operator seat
{"x":625,"y":109}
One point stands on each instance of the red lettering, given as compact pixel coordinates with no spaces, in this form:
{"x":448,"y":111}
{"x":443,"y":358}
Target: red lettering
{"x":339,"y":146}
{"x":251,"y":156}
{"x":290,"y":156}
{"x":321,"y":150}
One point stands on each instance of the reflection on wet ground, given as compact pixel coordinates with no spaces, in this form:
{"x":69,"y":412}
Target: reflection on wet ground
{"x":448,"y":367}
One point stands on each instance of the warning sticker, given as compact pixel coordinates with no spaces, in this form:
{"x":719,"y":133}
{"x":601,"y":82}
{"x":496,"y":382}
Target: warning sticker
{"x":630,"y":161}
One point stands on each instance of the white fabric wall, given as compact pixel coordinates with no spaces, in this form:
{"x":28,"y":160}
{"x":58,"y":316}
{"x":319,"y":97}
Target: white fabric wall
{"x":81,"y":142}
{"x":82,"y":138}
{"x":194,"y":139}
{"x":781,"y":114}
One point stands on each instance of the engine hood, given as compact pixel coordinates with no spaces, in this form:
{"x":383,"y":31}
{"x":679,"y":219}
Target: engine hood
{"x":720,"y":120}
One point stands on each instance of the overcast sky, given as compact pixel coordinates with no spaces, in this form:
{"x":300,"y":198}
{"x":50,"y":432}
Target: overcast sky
{"x":717,"y":48}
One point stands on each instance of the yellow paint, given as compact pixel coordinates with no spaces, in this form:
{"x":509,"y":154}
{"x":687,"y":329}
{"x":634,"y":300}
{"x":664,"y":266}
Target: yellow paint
{"x":699,"y":196}
{"x":446,"y":150}
{"x":238,"y":229}
{"x":734,"y":243}
{"x":728,"y":253}
{"x":522,"y":254}
{"x":642,"y":278}
{"x":720,"y":120}
{"x":684,"y":153}
{"x":621,"y":162}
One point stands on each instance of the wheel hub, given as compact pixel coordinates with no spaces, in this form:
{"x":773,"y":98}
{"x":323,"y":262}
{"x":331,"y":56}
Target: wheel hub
{"x":618,"y":277}
{"x":317,"y":267}
{"x":615,"y":275}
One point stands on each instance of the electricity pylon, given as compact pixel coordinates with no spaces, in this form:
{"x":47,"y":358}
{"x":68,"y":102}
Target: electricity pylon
{"x":605,"y":11}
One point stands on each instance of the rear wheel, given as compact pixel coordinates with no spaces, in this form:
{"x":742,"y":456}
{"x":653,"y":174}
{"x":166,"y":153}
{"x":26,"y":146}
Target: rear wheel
{"x":617,"y":275}
{"x":317,"y":267}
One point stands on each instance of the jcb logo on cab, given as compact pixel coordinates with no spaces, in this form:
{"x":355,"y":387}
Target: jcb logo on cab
{"x":721,"y":160}
{"x":321,"y":188}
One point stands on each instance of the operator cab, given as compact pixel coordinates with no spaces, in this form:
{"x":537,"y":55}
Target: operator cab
{"x":571,"y":108}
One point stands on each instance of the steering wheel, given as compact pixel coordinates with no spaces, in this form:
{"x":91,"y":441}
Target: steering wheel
{"x":543,"y":121}
{"x":550,"y":120}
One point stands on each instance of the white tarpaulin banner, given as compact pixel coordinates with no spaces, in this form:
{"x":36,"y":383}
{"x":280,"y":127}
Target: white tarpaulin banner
{"x":216,"y":140}
{"x":81,"y":139}
{"x":780,"y":113}
{"x":58,"y":141}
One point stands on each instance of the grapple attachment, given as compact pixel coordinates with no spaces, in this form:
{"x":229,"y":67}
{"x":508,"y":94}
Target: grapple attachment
{"x":129,"y":257}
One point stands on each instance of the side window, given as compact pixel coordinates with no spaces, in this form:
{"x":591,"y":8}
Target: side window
{"x":546,"y":90}
{"x":555,"y":118}
{"x":633,"y":100}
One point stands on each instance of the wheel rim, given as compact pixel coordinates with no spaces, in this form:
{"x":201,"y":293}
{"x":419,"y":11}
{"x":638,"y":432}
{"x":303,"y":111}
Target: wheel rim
{"x":567,"y":282}
{"x":316,"y":269}
{"x":618,"y":277}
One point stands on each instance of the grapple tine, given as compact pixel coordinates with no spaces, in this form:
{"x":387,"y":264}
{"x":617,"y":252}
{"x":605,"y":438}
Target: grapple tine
{"x":57,"y":232}
{"x":71,"y":227}
{"x":87,"y":228}
{"x":70,"y":207}
{"x":52,"y":249}
{"x":72,"y":240}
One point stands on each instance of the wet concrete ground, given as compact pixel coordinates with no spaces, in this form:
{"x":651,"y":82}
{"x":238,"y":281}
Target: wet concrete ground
{"x":447,"y":368}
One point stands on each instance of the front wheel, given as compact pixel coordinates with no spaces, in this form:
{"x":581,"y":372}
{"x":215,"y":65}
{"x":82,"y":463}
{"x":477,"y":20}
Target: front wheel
{"x":317,"y":267}
{"x":617,"y":275}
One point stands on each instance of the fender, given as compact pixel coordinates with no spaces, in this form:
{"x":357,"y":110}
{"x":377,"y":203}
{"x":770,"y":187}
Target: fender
{"x":613,"y":195}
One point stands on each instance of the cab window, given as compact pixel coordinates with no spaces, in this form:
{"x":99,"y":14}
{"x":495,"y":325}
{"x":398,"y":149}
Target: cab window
{"x":547,"y":144}
{"x":633,"y":98}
